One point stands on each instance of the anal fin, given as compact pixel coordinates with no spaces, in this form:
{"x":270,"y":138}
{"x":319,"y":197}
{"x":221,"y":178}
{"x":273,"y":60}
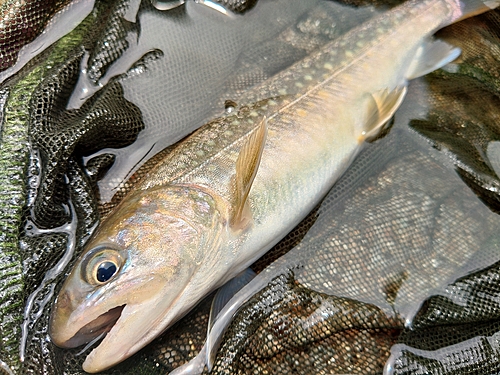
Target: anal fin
{"x":431,"y":55}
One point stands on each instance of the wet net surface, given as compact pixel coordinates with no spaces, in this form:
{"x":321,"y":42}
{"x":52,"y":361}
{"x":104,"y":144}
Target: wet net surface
{"x":21,"y":22}
{"x":397,"y":268}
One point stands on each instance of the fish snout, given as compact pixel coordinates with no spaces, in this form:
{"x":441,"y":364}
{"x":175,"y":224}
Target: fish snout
{"x":67,"y":333}
{"x":58,"y":324}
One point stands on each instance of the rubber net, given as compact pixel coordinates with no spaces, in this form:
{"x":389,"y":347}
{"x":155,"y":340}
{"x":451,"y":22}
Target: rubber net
{"x":397,"y":269}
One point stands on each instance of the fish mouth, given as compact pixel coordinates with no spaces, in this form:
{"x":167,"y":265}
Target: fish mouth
{"x":96,"y":328}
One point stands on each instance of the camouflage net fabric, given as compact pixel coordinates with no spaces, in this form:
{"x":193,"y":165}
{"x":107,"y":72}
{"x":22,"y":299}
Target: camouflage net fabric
{"x":397,"y":268}
{"x":21,"y":22}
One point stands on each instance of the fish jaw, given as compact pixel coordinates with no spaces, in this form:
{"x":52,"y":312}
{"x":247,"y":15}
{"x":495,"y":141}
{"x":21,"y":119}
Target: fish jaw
{"x":136,"y":327}
{"x":131,"y":316}
{"x":79,"y":317}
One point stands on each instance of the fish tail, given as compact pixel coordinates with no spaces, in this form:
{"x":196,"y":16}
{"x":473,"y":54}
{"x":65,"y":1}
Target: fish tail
{"x":470,"y":8}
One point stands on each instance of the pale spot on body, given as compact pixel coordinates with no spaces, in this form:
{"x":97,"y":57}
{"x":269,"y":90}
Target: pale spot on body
{"x":323,"y":94}
{"x":301,"y":112}
{"x":311,"y":104}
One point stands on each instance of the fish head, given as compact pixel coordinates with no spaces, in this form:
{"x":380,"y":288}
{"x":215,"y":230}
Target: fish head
{"x":131,"y":281}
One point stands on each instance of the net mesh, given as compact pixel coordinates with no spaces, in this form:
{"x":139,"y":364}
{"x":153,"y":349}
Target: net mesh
{"x":21,"y":22}
{"x":397,"y":268}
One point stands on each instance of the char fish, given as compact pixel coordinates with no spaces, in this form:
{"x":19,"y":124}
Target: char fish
{"x":235,"y":187}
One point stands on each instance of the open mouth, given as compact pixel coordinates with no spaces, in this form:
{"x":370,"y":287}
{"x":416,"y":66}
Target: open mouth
{"x":96,"y":328}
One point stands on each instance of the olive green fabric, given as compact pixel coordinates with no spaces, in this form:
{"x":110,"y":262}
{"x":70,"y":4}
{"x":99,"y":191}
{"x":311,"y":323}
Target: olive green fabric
{"x":398,"y":267}
{"x":41,"y":152}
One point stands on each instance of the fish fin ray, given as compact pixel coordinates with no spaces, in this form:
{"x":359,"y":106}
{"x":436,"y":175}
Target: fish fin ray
{"x":382,"y":106}
{"x":246,"y":169}
{"x":432,"y":55}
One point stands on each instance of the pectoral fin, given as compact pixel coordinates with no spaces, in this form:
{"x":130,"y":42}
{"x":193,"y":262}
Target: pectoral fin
{"x":381,"y":107}
{"x":227,"y":291}
{"x":222,"y":297}
{"x":246,"y":169}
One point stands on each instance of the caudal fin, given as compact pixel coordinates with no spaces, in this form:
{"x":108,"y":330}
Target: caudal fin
{"x":475,"y":7}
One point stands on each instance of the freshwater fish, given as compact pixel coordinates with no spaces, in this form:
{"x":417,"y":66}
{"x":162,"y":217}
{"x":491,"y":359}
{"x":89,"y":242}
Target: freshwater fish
{"x":235,"y":187}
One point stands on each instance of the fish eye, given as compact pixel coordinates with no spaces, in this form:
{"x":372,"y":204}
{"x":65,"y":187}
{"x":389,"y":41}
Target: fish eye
{"x":105,"y":271}
{"x":100,"y":265}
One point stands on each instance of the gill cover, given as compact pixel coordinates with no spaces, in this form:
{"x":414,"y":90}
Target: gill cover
{"x":131,"y":282}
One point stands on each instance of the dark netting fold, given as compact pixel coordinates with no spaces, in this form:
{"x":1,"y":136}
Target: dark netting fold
{"x":290,"y":327}
{"x":49,"y":202}
{"x":105,"y":120}
{"x":20,"y":23}
{"x":115,"y":34}
{"x":463,"y":119}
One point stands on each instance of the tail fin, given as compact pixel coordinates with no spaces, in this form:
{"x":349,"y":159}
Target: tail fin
{"x":475,"y":7}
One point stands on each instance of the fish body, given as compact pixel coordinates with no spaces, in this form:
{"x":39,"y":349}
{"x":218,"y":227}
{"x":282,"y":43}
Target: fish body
{"x":236,"y":186}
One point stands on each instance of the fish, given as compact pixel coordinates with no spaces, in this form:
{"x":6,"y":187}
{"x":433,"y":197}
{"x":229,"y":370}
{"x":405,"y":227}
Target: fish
{"x":232,"y":189}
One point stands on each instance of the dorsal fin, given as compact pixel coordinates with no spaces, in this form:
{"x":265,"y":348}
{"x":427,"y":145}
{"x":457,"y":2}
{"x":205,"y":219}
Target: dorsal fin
{"x":246,"y":169}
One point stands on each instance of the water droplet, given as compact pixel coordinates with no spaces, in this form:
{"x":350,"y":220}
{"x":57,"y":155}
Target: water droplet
{"x":166,"y":4}
{"x":230,"y":106}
